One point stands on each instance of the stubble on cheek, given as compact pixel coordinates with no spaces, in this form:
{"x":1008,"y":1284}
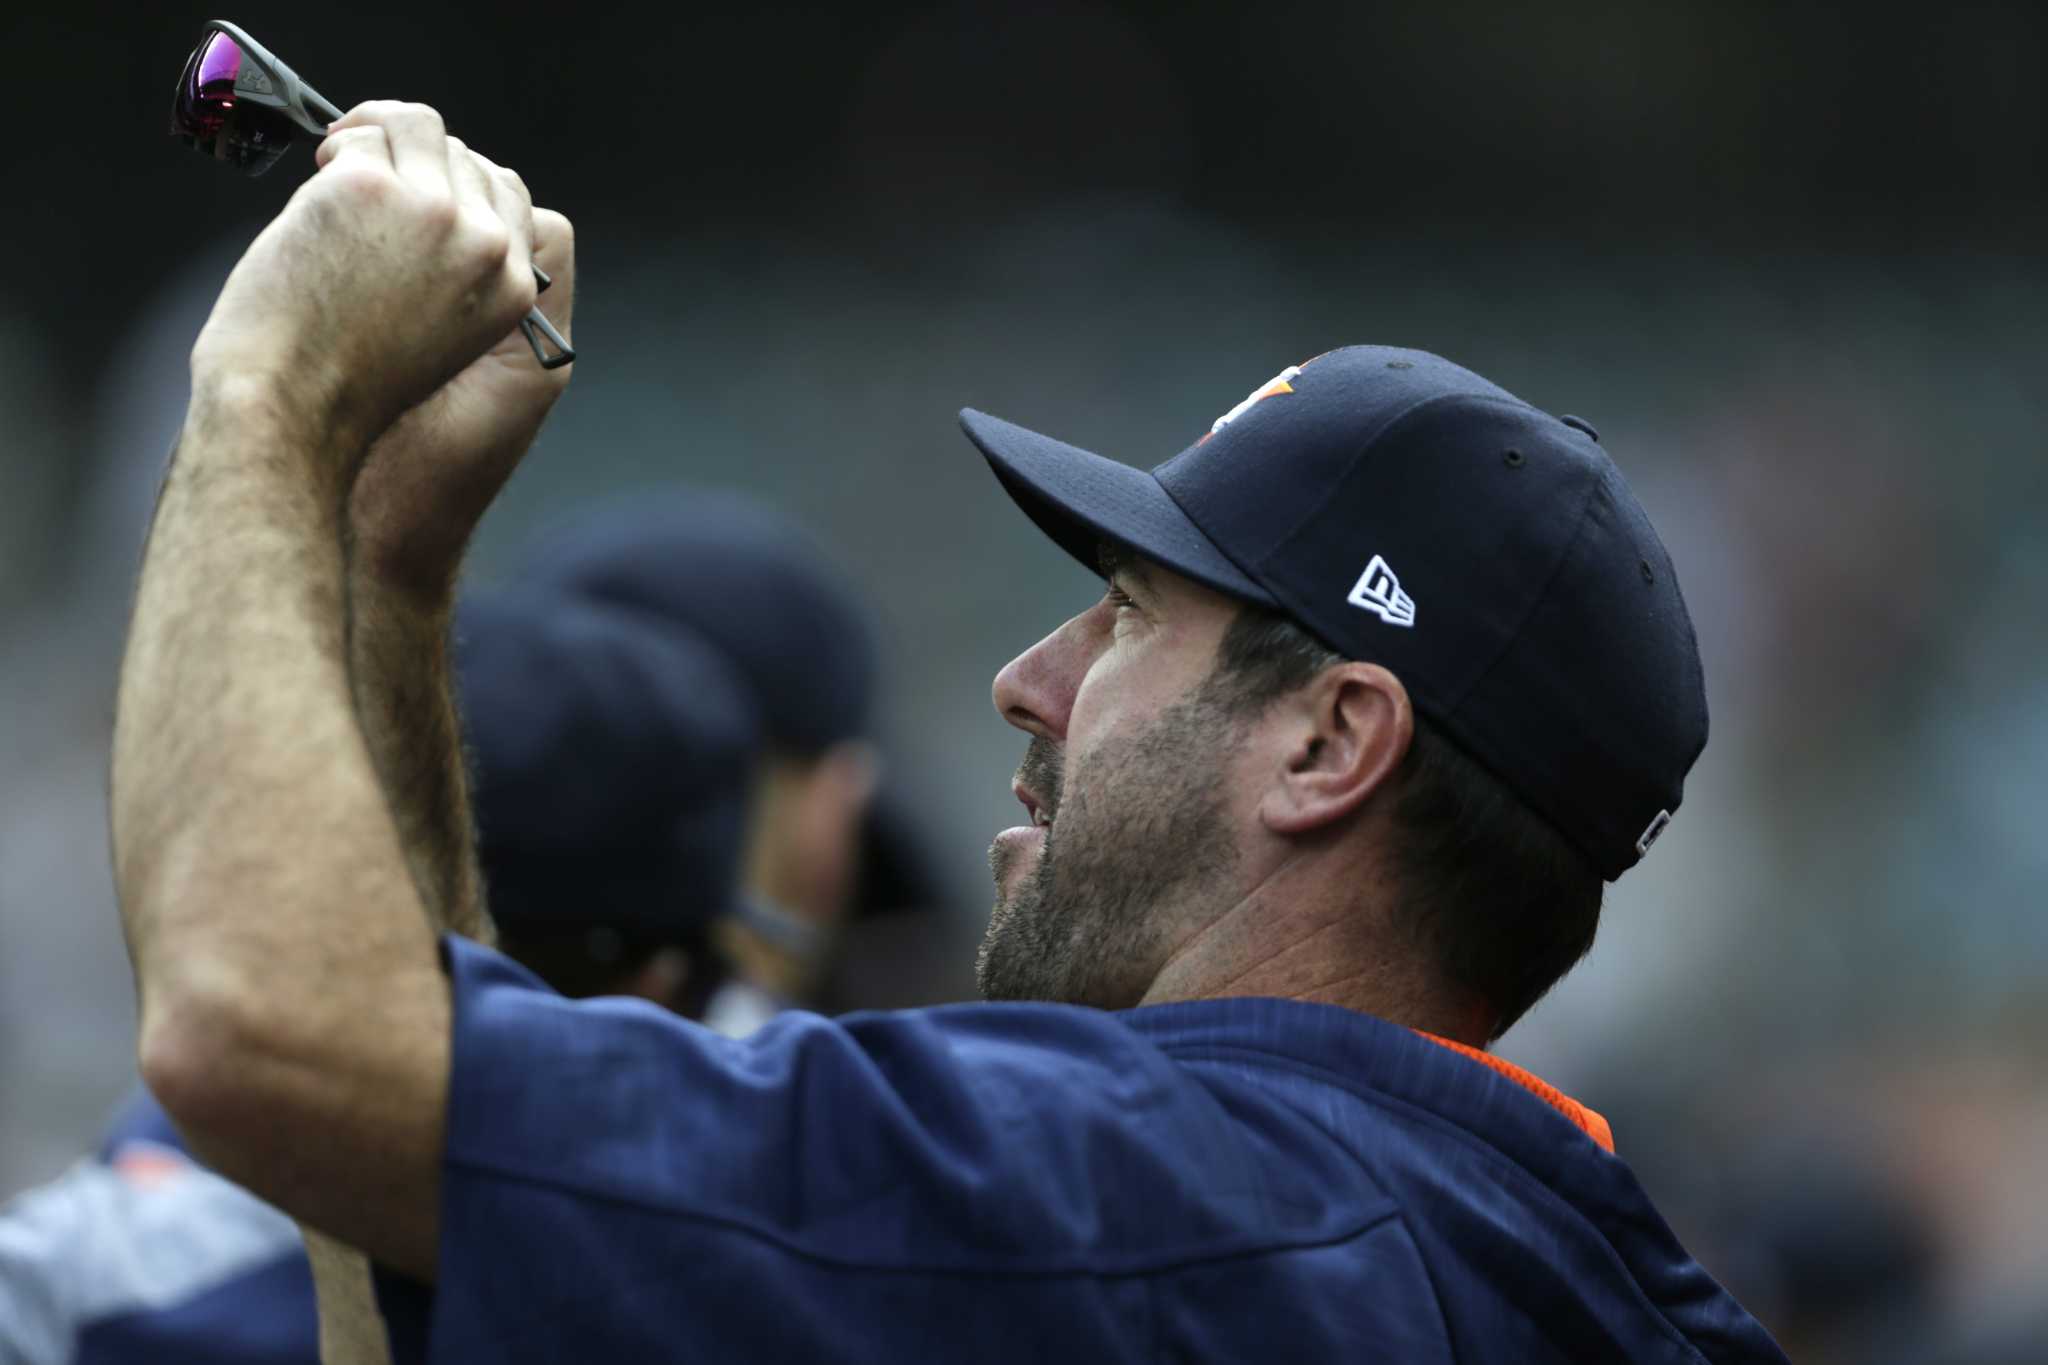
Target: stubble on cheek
{"x":1139,"y":842}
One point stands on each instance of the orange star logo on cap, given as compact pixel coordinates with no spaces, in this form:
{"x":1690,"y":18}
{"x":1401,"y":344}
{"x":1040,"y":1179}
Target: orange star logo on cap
{"x":1279,"y":383}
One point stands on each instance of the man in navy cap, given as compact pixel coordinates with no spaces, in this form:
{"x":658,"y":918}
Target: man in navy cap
{"x":1391,"y":673}
{"x":830,"y":839}
{"x":615,"y":757}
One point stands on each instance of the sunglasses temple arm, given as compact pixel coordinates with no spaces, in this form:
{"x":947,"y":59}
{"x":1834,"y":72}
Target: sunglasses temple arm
{"x":317,"y":102}
{"x":536,"y":325}
{"x":299,"y":94}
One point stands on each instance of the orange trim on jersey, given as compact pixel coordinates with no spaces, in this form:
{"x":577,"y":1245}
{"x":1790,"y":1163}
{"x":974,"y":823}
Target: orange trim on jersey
{"x":1589,"y":1122}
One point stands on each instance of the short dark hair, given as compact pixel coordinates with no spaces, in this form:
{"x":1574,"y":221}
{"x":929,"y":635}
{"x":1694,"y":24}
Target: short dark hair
{"x":1501,"y":902}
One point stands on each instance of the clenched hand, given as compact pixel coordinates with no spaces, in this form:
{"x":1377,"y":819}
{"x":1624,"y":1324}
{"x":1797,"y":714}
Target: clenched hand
{"x":392,"y":270}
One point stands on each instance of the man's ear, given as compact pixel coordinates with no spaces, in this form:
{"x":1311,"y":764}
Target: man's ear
{"x":1344,"y":736}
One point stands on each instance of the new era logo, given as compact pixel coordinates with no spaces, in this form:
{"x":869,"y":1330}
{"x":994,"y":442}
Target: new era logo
{"x":1656,"y":829}
{"x":1379,"y":592}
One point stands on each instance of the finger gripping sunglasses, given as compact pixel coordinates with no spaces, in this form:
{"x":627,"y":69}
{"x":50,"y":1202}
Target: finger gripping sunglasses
{"x":236,"y":102}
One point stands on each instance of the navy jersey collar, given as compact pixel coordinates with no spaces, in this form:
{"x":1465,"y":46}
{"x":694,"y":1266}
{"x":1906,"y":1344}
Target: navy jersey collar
{"x":1368,"y":1054}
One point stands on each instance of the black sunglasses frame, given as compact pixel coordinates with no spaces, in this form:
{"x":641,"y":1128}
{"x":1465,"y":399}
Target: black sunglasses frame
{"x":290,"y":96}
{"x":299,"y":102}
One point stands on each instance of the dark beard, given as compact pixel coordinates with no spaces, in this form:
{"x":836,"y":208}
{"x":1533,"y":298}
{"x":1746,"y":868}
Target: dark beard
{"x":1132,"y":851}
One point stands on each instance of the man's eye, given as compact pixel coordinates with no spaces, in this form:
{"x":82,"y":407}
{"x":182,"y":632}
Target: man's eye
{"x":1120,"y":599}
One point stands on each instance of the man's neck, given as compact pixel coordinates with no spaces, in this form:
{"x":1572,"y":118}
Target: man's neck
{"x":1292,"y":937}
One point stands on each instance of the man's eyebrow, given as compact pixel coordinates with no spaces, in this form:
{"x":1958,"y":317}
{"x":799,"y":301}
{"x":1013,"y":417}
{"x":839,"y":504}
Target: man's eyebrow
{"x":1118,"y":562}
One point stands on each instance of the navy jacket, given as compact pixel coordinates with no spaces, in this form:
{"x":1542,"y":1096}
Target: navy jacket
{"x":1233,"y":1180}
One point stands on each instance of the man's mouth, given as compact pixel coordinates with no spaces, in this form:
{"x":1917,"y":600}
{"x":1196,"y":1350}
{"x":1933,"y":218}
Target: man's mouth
{"x":1034,"y":806}
{"x":1036,"y":786}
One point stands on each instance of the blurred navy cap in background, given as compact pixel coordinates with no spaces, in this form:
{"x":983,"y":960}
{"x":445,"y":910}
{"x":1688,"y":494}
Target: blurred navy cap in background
{"x":751,"y":581}
{"x":611,"y":764}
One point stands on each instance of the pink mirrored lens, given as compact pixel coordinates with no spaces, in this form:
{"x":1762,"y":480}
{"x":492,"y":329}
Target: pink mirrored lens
{"x":219,"y":60}
{"x":209,"y":116}
{"x":206,"y":93}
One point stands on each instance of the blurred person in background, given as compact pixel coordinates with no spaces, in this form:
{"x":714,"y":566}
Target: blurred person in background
{"x":1825,"y":1248}
{"x":615,"y":759}
{"x":1336,"y":881}
{"x":827,"y":839}
{"x":613,"y":755}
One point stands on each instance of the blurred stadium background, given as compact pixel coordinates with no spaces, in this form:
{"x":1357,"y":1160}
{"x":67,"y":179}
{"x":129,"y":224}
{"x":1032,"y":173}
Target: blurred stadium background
{"x":1788,"y":260}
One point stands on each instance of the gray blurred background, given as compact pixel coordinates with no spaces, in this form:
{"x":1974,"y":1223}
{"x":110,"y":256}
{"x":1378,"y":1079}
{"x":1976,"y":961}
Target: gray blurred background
{"x":1790,"y":264}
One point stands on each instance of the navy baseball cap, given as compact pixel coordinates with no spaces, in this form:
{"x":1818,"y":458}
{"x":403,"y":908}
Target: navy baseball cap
{"x":1408,"y":512}
{"x":745,"y":577}
{"x":750,"y":580}
{"x":612,"y":763}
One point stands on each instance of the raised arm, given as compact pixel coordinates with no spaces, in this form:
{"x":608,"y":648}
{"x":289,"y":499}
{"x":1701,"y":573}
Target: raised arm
{"x":294,"y":1020}
{"x":411,"y":512}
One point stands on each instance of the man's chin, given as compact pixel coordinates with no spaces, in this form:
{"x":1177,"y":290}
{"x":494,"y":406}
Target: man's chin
{"x":1011,"y":964}
{"x":994,"y":976}
{"x":1014,"y":856}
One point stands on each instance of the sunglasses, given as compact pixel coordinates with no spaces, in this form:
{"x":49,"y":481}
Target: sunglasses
{"x":236,"y":102}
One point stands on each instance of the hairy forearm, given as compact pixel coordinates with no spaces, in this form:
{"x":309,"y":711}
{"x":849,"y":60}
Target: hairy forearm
{"x":293,"y":1017}
{"x":403,"y":688}
{"x":234,"y":735}
{"x":399,"y":674}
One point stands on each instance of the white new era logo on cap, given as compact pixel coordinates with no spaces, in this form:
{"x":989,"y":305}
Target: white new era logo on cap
{"x":1656,"y":829}
{"x":1379,"y":592}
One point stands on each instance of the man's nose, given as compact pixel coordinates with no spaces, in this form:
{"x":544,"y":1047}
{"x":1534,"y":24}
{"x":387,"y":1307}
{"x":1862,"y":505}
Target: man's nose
{"x":1035,"y":690}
